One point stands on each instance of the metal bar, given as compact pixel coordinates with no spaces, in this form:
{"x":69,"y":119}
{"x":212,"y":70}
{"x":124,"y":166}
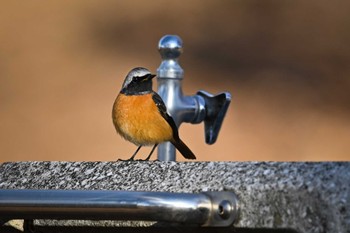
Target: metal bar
{"x":206,"y":209}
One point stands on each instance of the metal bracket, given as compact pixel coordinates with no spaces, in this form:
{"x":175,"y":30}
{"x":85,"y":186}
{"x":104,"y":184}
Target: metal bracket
{"x":203,"y":209}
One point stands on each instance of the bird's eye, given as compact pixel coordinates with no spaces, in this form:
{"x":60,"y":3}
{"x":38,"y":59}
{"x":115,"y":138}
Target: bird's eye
{"x":135,"y":79}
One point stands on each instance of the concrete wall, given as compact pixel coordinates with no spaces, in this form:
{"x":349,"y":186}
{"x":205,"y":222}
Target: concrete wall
{"x":306,"y":197}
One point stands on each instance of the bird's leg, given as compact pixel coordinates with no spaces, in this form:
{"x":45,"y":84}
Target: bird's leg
{"x":133,"y":156}
{"x":149,"y":156}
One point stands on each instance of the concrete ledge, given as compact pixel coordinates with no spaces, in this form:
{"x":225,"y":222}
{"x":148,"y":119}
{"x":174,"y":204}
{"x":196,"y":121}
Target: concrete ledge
{"x":306,"y":197}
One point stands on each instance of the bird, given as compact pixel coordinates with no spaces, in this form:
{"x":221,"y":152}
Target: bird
{"x":140,"y":115}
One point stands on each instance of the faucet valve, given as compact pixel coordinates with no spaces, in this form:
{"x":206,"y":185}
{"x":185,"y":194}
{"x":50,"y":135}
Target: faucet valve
{"x":216,"y":107}
{"x":192,"y":109}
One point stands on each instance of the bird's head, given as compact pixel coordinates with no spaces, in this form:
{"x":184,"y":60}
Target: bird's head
{"x":138,"y":81}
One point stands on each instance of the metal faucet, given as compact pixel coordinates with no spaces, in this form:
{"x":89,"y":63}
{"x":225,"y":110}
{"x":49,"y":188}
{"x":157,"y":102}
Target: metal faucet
{"x":192,"y":109}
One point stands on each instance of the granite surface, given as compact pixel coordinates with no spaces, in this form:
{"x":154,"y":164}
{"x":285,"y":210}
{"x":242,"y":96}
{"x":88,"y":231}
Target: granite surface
{"x":306,"y":197}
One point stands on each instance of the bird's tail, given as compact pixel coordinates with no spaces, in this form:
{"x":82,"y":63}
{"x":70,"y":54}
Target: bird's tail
{"x":184,"y":150}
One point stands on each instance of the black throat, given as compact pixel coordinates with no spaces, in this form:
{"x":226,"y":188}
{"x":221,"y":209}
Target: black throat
{"x":138,"y":88}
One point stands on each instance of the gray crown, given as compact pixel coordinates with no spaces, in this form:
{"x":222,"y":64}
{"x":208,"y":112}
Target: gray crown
{"x":136,"y":72}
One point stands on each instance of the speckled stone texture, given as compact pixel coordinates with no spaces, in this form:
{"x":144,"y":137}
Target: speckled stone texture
{"x":307,"y":197}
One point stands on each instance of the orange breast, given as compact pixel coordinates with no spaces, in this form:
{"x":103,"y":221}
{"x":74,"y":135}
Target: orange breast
{"x":137,"y":119}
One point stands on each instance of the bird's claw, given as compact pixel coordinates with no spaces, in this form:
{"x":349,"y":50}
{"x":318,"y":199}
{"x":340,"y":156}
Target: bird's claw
{"x":125,"y":160}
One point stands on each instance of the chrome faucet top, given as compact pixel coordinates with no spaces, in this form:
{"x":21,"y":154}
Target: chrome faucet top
{"x":170,"y":49}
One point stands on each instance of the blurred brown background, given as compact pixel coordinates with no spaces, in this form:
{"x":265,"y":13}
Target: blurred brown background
{"x":286,"y":64}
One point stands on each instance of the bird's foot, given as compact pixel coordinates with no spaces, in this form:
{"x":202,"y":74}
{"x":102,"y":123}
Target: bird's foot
{"x":142,"y":160}
{"x":125,"y":160}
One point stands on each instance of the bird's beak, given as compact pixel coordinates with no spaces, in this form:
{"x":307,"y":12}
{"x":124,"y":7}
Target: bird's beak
{"x":147,"y":77}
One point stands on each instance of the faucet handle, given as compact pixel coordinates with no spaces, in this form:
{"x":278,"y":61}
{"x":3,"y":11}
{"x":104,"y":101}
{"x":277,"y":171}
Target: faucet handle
{"x":216,"y":107}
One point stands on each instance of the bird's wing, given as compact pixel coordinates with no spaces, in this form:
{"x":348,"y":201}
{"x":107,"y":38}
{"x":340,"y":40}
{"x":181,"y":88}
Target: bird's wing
{"x":162,"y":110}
{"x":177,"y":142}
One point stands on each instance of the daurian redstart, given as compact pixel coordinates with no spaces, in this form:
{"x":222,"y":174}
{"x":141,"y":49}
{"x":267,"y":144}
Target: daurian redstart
{"x":140,"y":116}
